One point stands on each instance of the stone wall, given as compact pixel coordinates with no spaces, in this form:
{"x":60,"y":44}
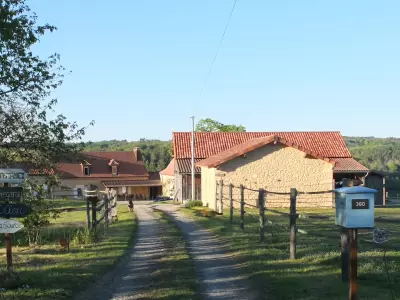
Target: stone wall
{"x":208,"y":186}
{"x":167,"y":185}
{"x":275,"y":168}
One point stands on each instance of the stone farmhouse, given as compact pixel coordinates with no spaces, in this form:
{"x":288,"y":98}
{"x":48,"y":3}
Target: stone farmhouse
{"x":275,"y":161}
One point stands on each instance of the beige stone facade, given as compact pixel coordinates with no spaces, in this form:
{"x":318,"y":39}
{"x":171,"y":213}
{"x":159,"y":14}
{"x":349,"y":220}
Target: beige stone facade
{"x":273,"y":167}
{"x":167,"y":185}
{"x":208,"y":187}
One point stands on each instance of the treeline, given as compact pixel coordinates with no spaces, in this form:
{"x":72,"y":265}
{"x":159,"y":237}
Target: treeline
{"x":156,"y":154}
{"x":381,"y":154}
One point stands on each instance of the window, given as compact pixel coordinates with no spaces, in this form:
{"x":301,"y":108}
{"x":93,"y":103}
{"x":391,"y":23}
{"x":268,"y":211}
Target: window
{"x":86,"y":171}
{"x":114,"y":170}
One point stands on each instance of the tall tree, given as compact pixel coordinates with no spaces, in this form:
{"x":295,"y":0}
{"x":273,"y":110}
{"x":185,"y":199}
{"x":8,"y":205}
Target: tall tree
{"x":26,"y":84}
{"x":210,"y":125}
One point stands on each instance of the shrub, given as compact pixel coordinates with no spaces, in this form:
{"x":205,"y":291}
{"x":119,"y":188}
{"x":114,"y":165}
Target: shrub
{"x":43,"y":211}
{"x":86,"y":236}
{"x":193,"y":203}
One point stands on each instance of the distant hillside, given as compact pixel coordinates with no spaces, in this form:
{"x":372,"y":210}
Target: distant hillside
{"x":156,"y":153}
{"x":376,"y":153}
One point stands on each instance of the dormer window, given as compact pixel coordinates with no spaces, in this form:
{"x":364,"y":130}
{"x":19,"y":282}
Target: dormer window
{"x":114,"y":167}
{"x":85,"y":168}
{"x":114,"y":170}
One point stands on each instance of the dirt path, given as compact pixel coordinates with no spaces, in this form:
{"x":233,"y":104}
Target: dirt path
{"x":133,"y":277}
{"x":219,"y":274}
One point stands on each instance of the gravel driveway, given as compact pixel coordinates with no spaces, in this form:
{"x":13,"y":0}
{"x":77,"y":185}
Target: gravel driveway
{"x":219,"y":274}
{"x":133,"y":276}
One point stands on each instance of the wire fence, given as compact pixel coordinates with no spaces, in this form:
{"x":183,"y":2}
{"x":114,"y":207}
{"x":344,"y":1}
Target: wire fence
{"x":291,"y":215}
{"x":280,"y":200}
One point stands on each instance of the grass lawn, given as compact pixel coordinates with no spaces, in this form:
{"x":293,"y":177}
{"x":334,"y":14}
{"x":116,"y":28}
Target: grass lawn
{"x":69,"y":204}
{"x":316,"y":273}
{"x":55,"y":274}
{"x":176,"y":280}
{"x":168,"y":202}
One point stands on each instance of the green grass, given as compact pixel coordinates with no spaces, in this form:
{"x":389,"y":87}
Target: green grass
{"x":72,"y":217}
{"x":316,"y":273}
{"x":168,"y":202}
{"x":55,"y":274}
{"x":176,"y":279}
{"x":69,"y":203}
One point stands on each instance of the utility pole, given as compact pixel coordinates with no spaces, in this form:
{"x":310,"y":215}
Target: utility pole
{"x":193,"y":181}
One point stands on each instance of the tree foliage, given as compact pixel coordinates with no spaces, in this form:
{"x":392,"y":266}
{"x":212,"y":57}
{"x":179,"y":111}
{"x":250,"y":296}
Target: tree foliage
{"x":156,"y":154}
{"x":27,"y":135}
{"x":210,"y":125}
{"x":374,"y":153}
{"x":26,"y":83}
{"x":381,"y":154}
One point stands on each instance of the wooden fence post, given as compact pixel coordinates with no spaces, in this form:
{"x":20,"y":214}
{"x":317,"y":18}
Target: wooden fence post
{"x":293,"y":217}
{"x":8,"y":242}
{"x":88,"y":212}
{"x":106,"y":214}
{"x":230,"y":203}
{"x":242,"y":207}
{"x":344,"y":242}
{"x":221,"y":186}
{"x":94,"y":225}
{"x":262,"y":213}
{"x":216,"y":197}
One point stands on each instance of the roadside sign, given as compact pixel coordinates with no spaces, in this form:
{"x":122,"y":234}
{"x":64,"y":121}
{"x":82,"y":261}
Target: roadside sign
{"x":10,"y":226}
{"x":15,"y":176}
{"x":14,"y":210}
{"x":10,"y":193}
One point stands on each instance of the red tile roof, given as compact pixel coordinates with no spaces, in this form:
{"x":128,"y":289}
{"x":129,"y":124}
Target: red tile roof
{"x":99,"y":168}
{"x":326,"y":144}
{"x":40,"y":172}
{"x":236,"y":151}
{"x":29,"y":168}
{"x":184,"y":166}
{"x":348,"y":165}
{"x":169,"y":170}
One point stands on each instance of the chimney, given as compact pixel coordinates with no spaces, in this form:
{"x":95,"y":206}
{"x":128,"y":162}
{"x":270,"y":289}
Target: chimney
{"x":137,"y":156}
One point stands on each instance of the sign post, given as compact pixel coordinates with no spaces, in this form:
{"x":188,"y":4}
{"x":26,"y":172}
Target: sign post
{"x":8,"y":176}
{"x":14,"y":210}
{"x":16,"y":176}
{"x":10,"y":226}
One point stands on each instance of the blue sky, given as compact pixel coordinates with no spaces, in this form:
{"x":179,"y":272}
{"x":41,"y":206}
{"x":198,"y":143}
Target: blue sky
{"x":138,"y":66}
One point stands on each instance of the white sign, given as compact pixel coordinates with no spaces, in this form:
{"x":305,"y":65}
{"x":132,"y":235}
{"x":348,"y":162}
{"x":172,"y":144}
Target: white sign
{"x":10,"y":226}
{"x":12,"y":175}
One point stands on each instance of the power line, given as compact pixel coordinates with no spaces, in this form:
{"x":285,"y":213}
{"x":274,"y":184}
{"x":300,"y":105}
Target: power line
{"x":216,"y":54}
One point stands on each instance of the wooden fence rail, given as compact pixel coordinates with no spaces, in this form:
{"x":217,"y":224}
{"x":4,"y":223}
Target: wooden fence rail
{"x":99,"y":211}
{"x":262,"y":208}
{"x":348,"y":237}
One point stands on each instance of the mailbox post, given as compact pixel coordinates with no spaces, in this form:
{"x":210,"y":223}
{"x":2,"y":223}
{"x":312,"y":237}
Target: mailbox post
{"x":354,"y":210}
